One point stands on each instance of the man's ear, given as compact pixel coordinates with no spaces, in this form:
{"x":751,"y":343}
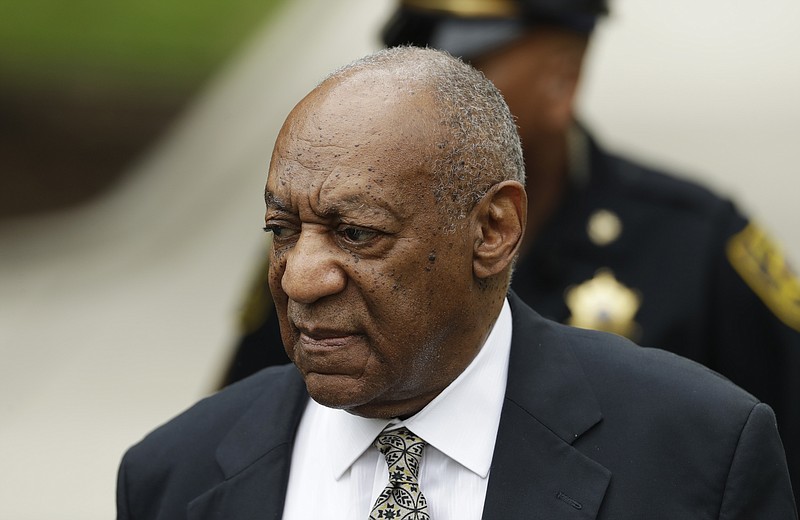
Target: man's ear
{"x":500,"y":225}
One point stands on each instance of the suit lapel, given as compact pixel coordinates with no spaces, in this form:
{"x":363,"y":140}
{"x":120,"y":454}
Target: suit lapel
{"x":536,"y":472}
{"x":255,"y":456}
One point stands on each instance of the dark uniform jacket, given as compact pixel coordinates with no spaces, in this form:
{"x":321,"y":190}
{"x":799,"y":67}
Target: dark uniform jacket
{"x":592,"y":426}
{"x":661,"y":260}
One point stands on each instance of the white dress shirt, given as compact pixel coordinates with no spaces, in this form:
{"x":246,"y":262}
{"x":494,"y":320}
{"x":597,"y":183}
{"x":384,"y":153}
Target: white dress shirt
{"x":337,"y":473}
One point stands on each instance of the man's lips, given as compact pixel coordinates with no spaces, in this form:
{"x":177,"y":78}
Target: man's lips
{"x":330,"y":352}
{"x":326,"y":341}
{"x":325,"y":338}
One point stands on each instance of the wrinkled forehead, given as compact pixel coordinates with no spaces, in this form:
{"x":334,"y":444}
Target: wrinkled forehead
{"x":360,"y":132}
{"x":369,"y":118}
{"x":367,"y":105}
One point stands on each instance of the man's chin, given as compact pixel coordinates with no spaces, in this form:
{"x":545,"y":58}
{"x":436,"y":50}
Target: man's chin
{"x":336,"y":391}
{"x":353,"y":396}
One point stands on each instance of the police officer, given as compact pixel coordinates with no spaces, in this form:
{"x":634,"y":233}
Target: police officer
{"x":611,"y":244}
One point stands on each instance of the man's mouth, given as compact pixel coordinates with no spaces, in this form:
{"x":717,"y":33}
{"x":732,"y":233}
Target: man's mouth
{"x":330,"y":351}
{"x":322,"y":338}
{"x":325,"y":341}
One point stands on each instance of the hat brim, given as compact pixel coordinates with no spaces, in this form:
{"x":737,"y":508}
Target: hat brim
{"x":466,"y":38}
{"x":470,"y":38}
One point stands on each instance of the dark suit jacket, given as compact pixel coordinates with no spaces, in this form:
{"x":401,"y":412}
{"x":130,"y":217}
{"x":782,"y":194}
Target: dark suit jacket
{"x":592,"y":427}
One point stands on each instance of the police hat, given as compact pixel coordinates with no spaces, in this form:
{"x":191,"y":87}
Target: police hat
{"x":467,"y":28}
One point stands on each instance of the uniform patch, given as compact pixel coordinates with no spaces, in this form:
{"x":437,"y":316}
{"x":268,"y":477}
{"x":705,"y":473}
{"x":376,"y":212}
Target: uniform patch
{"x":604,"y":303}
{"x":763,"y":267}
{"x":258,"y":302}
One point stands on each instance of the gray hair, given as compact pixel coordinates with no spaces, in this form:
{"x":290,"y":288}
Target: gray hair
{"x":479,"y":145}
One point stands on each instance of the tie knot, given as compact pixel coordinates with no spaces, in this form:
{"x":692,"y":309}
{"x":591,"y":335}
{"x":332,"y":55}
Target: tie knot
{"x":403,"y":452}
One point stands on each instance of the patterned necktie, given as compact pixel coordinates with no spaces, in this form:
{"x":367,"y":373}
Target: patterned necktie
{"x":402,"y":499}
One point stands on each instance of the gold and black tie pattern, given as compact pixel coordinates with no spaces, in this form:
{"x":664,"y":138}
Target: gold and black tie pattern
{"x":402,"y":499}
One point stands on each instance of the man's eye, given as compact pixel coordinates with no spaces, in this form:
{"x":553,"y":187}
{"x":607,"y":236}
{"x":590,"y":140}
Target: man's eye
{"x":279,"y":231}
{"x":356,"y":234}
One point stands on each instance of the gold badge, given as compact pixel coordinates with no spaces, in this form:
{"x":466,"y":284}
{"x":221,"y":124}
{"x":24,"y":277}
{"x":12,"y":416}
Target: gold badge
{"x":763,"y":267}
{"x":604,"y":303}
{"x":604,"y":227}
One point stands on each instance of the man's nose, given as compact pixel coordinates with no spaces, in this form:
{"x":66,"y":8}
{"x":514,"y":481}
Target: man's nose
{"x":312,"y":268}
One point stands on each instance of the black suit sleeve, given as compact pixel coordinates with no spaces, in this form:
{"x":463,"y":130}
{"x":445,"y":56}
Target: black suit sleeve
{"x":758,"y":483}
{"x":122,"y":494}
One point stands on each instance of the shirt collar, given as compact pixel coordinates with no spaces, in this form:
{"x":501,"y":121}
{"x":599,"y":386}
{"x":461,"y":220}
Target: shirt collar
{"x":461,"y":421}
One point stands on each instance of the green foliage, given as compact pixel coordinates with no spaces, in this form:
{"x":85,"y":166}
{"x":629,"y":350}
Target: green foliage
{"x":139,"y":42}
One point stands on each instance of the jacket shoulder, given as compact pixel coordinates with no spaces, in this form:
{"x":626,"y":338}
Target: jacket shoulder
{"x":214,"y":415}
{"x":182,"y":458}
{"x":629,"y":372}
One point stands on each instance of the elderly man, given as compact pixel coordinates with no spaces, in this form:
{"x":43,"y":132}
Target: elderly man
{"x":610,"y":244}
{"x":396,"y":203}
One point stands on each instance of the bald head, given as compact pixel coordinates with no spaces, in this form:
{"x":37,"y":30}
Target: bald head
{"x":472,"y":140}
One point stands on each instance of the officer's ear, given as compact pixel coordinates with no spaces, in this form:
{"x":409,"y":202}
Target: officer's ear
{"x":500,"y":225}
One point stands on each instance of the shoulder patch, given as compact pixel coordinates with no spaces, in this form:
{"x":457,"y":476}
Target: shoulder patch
{"x":258,"y":302}
{"x":763,"y":267}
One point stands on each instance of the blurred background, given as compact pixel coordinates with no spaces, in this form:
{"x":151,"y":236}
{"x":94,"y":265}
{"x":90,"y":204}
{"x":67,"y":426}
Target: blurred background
{"x":134,"y":142}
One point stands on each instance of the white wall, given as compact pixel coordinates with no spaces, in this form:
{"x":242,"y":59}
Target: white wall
{"x":115,"y":316}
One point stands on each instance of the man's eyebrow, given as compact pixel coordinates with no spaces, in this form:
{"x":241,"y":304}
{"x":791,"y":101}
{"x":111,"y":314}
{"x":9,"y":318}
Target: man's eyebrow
{"x":274,"y":202}
{"x":352,"y":204}
{"x":358,"y":204}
